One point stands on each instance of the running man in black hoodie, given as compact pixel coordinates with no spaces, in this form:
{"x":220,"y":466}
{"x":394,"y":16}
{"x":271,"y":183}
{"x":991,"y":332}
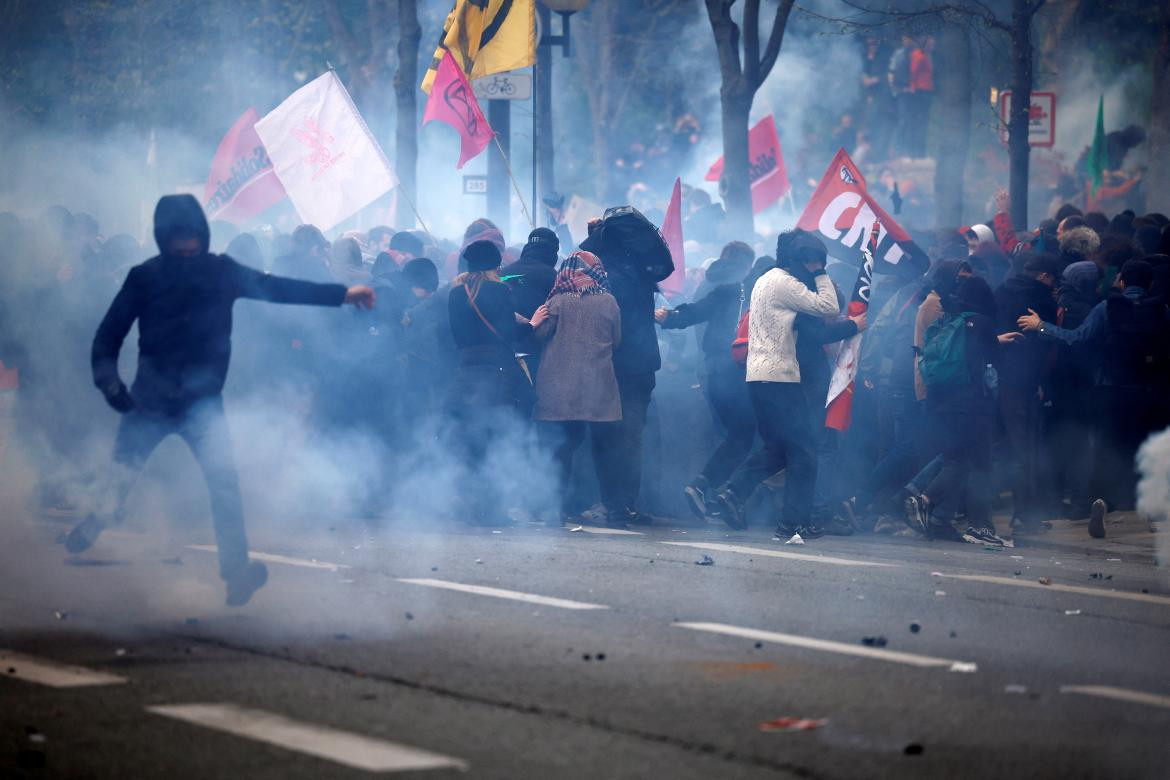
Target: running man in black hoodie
{"x":182,"y":300}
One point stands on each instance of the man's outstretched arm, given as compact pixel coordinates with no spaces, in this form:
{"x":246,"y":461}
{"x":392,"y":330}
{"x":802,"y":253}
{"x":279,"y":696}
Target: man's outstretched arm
{"x":250,"y":283}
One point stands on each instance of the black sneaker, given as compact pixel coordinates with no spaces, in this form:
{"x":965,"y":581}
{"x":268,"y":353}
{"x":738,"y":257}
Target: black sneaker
{"x":696,"y":501}
{"x":983,"y":536}
{"x":810,"y":531}
{"x":245,"y":582}
{"x":918,"y":515}
{"x":730,"y":509}
{"x":84,"y":534}
{"x":1097,"y":514}
{"x":620,"y":519}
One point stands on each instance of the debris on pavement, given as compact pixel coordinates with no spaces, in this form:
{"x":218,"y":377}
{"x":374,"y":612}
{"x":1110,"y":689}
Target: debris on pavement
{"x":940,"y":593}
{"x":913,"y":749}
{"x":34,"y":735}
{"x":1072,"y":612}
{"x":60,"y":615}
{"x":409,"y":616}
{"x":342,"y":637}
{"x":759,"y":645}
{"x":953,"y":635}
{"x":576,"y":529}
{"x":601,"y":656}
{"x":874,"y":641}
{"x":796,"y":539}
{"x":586,"y":657}
{"x":792,"y":724}
{"x":121,"y":651}
{"x":479,"y":560}
{"x":1045,"y":580}
{"x":707,"y":560}
{"x":915,"y":628}
{"x":1100,"y":576}
{"x":964,"y":667}
{"x":176,"y":561}
{"x":191,"y":621}
{"x":1013,"y":688}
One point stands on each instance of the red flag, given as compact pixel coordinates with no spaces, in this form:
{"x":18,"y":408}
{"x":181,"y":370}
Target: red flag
{"x":842,"y":211}
{"x":453,"y":102}
{"x":839,"y":404}
{"x":673,"y":235}
{"x":765,"y":166}
{"x":242,"y":183}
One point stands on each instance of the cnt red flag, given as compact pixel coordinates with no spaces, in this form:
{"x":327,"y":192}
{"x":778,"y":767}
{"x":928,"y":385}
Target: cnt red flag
{"x":242,"y":182}
{"x":839,"y":403}
{"x":452,"y":101}
{"x":765,"y":166}
{"x":672,"y":233}
{"x":841,"y":211}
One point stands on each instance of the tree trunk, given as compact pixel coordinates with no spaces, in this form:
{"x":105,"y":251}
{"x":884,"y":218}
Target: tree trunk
{"x":406,"y":121}
{"x":954,"y":96}
{"x":735,"y":186}
{"x":1157,"y":179}
{"x":1018,"y":147}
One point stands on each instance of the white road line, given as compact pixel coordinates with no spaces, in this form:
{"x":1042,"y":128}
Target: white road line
{"x":272,"y":558}
{"x":764,"y":552}
{"x":830,"y":646}
{"x":596,"y":529}
{"x":499,"y":593}
{"x":51,"y":673}
{"x":354,"y":750}
{"x":1022,"y":583}
{"x":1121,"y":694}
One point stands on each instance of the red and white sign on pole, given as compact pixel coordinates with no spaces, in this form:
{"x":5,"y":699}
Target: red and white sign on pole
{"x":1041,"y":118}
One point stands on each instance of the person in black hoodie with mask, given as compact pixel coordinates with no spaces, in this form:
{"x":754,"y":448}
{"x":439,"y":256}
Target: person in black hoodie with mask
{"x":1022,"y":371}
{"x":531,"y":279}
{"x":182,"y":301}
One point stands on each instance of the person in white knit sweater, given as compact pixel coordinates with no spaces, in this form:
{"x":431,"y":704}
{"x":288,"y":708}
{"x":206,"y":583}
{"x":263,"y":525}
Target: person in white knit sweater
{"x":798,"y":285}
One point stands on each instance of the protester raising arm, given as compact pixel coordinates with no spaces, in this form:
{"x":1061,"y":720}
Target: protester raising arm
{"x":250,"y":283}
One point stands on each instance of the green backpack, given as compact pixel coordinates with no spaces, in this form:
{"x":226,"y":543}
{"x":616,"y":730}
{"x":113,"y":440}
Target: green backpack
{"x":944,"y":353}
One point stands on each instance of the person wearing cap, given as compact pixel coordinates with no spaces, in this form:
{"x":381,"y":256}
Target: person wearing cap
{"x":491,"y":388}
{"x":531,"y":280}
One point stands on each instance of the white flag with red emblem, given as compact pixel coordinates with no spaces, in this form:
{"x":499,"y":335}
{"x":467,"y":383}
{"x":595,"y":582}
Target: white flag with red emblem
{"x":323,"y":153}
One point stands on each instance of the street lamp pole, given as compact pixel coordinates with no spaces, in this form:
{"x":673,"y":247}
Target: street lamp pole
{"x":542,"y":136}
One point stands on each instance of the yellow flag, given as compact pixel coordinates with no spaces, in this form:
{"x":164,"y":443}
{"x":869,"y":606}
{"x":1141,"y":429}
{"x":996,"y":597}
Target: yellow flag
{"x":487,"y":36}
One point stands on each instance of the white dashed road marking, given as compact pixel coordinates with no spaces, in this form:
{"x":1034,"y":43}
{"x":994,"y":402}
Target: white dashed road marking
{"x":1021,"y":583}
{"x":500,"y":593}
{"x":1121,"y":694}
{"x":766,"y":553}
{"x":829,"y":646}
{"x":51,"y":673}
{"x":354,"y":750}
{"x":597,"y":529}
{"x":271,"y":558}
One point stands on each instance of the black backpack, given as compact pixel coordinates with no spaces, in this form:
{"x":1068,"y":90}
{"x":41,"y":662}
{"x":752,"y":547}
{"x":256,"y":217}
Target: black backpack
{"x":628,"y":238}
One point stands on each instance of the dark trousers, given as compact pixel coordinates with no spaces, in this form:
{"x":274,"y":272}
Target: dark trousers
{"x":562,"y":439}
{"x":617,"y":447}
{"x":479,"y":413}
{"x":784,"y":425}
{"x":204,"y":428}
{"x":1125,"y":417}
{"x":1020,"y":413}
{"x":728,"y":393}
{"x":966,"y":464}
{"x":905,"y":455}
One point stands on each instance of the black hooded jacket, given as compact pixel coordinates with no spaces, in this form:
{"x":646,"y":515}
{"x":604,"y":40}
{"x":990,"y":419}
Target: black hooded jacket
{"x":531,"y":279}
{"x":183,"y":306}
{"x":1023,"y":366}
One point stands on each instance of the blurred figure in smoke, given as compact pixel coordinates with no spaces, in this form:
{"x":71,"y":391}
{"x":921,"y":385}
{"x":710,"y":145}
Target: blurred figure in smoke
{"x":491,"y":387}
{"x":182,"y":301}
{"x":531,"y":279}
{"x":576,"y":388}
{"x":482,"y":229}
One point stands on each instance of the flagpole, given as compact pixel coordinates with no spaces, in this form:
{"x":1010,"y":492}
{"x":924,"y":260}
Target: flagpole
{"x":515,"y":186}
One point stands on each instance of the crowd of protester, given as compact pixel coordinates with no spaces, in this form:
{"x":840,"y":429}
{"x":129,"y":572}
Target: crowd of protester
{"x":1018,"y":375}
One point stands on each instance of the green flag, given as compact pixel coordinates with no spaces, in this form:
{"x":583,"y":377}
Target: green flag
{"x":1095,"y":162}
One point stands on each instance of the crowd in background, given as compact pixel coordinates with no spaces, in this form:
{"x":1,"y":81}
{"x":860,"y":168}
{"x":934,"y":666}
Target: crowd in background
{"x":1029,"y":364}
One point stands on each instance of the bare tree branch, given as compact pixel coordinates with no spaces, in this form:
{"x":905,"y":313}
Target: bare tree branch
{"x":751,"y":42}
{"x":777,"y":36}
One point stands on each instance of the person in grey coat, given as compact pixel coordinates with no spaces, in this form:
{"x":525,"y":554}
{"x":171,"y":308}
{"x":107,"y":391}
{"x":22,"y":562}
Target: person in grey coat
{"x":576,"y":387}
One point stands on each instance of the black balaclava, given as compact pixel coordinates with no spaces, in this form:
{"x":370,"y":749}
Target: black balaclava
{"x":180,"y":216}
{"x":542,"y":247}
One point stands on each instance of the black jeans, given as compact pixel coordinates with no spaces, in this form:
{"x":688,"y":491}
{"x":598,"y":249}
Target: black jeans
{"x":789,"y":442}
{"x":905,"y":454}
{"x":204,"y":428}
{"x":617,"y":447}
{"x":728,"y":394}
{"x":966,"y":464}
{"x":562,"y":439}
{"x":1020,"y":412}
{"x":1125,"y":417}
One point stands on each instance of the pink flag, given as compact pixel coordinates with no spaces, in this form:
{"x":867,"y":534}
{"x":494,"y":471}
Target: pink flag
{"x":766,"y":169}
{"x":453,"y":102}
{"x":242,"y":183}
{"x":672,"y":233}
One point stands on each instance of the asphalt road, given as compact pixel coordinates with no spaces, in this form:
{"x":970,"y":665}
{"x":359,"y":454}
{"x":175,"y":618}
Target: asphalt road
{"x":539,"y":653}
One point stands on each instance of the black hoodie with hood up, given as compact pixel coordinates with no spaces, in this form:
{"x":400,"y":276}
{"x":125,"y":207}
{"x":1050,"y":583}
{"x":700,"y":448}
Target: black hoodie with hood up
{"x":183,"y":306}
